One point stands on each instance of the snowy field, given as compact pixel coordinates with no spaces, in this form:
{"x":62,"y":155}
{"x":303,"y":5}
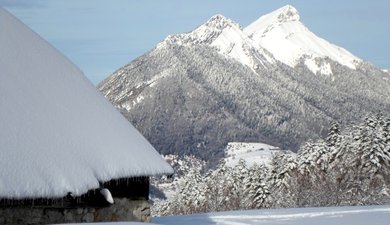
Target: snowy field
{"x":251,"y":153}
{"x":111,"y":223}
{"x":360,"y":215}
{"x":363,"y":215}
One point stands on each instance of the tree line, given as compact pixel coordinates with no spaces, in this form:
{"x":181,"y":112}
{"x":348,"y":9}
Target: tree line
{"x":348,"y":167}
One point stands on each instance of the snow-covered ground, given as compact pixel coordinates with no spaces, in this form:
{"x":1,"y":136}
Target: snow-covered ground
{"x":356,"y":215}
{"x":251,"y":153}
{"x":112,"y":223}
{"x":362,"y":215}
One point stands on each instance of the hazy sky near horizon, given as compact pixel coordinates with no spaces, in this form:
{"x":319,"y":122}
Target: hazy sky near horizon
{"x":100,"y":36}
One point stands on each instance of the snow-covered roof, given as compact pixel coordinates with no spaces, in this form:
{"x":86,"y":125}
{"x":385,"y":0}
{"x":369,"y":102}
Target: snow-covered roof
{"x":58,"y":133}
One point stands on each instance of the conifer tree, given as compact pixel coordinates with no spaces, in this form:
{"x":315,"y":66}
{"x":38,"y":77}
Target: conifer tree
{"x":284,"y":180}
{"x":257,"y":188}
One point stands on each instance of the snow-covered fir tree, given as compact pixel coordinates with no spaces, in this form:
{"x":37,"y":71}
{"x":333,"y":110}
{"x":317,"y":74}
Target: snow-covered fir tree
{"x":316,"y":186}
{"x":257,"y":189}
{"x":284,"y":180}
{"x":334,"y":135}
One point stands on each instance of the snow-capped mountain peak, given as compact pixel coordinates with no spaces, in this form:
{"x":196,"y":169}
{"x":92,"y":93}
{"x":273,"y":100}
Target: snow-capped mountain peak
{"x":203,"y":79}
{"x":207,"y":32}
{"x":283,"y":34}
{"x":228,"y":38}
{"x":287,"y":13}
{"x":279,"y":35}
{"x":269,"y":21}
{"x":220,"y":22}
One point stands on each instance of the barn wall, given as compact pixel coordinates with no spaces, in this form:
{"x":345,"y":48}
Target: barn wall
{"x":123,"y":209}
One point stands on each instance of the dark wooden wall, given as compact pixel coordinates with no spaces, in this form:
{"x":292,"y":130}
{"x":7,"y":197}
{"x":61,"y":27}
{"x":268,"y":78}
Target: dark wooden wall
{"x":135,"y":188}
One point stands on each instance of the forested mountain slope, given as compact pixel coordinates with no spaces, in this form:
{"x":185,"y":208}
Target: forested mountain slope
{"x":196,"y":92}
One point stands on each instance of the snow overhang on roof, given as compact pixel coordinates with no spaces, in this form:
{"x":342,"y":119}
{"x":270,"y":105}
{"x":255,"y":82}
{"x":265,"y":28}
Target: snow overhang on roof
{"x":58,"y":133}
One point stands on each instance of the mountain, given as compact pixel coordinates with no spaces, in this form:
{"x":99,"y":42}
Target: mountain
{"x":229,"y":39}
{"x":284,"y":35}
{"x":195,"y":92}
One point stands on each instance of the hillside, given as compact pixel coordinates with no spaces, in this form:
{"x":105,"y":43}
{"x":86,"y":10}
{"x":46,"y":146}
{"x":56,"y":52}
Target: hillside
{"x":197,"y":91}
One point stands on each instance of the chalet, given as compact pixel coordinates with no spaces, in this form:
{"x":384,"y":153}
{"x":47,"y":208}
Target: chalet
{"x":66,"y":154}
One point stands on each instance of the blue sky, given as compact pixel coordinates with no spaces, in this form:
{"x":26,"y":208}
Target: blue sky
{"x":100,"y":36}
